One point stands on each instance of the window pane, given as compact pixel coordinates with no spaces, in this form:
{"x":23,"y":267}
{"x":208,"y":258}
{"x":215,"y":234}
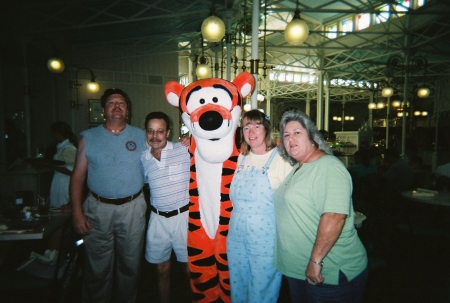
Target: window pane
{"x":289,"y":77}
{"x":332,"y":31}
{"x":363,"y":21}
{"x":305,"y":78}
{"x":347,"y":25}
{"x":272,"y":75}
{"x":383,"y":16}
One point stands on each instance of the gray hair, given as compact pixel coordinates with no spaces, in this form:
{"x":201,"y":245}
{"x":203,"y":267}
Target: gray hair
{"x":314,"y":135}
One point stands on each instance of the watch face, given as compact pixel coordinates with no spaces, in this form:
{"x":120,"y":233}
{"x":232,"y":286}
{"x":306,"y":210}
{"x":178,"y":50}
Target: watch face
{"x":95,"y":112}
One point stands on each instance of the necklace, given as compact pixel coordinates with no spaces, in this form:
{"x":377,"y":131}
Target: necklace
{"x":114,"y":131}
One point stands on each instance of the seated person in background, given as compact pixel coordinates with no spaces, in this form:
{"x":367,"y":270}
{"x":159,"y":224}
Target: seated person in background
{"x":415,"y":162}
{"x":442,"y":176}
{"x":363,"y":166}
{"x":398,"y":176}
{"x":443,"y":170}
{"x":420,"y":174}
{"x":364,"y":178}
{"x":66,"y":151}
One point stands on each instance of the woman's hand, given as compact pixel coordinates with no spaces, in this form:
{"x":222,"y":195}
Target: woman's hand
{"x":314,"y":273}
{"x":328,"y":231}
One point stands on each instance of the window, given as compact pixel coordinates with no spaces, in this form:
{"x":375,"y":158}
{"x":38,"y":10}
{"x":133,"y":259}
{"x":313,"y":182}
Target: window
{"x":289,"y":77}
{"x":305,"y":78}
{"x":363,"y":21}
{"x":383,"y":16}
{"x":332,"y":31}
{"x":272,"y":75}
{"x":420,"y":3}
{"x":347,"y":25}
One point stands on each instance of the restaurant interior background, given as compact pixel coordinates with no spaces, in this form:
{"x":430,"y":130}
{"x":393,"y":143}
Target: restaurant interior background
{"x":353,"y":50}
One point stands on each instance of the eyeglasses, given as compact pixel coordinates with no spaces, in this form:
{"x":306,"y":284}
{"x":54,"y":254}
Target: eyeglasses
{"x":158,"y":132}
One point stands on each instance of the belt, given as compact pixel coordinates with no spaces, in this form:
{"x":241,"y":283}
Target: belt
{"x":171,"y":213}
{"x":118,"y":201}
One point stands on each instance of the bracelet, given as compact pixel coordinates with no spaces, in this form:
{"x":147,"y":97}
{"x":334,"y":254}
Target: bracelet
{"x":315,"y":262}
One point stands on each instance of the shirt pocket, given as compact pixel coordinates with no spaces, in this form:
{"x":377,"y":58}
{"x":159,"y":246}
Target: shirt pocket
{"x":179,"y":172}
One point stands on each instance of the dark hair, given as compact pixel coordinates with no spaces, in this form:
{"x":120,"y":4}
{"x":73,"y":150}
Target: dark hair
{"x":260,"y":118}
{"x":112,"y":91}
{"x":314,"y":135}
{"x":158,"y":115}
{"x":64,"y":129}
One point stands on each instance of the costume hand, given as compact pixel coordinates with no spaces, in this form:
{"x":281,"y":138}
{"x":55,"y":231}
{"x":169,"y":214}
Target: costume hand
{"x":81,"y":223}
{"x":314,"y":274}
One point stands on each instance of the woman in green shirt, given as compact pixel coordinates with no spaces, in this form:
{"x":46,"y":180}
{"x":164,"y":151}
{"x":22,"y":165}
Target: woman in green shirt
{"x":317,"y":246}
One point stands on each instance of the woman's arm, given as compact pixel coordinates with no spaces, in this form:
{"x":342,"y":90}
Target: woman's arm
{"x":330,"y":227}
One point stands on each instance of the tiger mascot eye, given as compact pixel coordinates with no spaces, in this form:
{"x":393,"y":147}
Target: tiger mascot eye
{"x":211,"y":109}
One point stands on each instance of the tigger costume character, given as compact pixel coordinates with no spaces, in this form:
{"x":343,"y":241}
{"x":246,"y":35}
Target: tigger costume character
{"x":211,"y":109}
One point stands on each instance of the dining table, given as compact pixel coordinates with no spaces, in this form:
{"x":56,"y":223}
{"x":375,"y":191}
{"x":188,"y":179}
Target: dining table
{"x":430,"y":197}
{"x":34,"y":228}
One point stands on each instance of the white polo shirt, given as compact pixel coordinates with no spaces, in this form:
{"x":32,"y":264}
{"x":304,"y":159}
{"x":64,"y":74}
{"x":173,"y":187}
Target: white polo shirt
{"x":168,"y":178}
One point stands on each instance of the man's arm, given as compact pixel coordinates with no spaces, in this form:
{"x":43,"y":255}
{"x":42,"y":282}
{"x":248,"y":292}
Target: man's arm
{"x":77,"y":181}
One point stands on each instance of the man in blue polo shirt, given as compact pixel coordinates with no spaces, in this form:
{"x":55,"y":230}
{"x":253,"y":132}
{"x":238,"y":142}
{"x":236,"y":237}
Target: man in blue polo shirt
{"x":112,"y":217}
{"x":166,"y":169}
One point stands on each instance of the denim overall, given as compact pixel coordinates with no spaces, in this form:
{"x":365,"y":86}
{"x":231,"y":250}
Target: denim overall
{"x":251,"y":236}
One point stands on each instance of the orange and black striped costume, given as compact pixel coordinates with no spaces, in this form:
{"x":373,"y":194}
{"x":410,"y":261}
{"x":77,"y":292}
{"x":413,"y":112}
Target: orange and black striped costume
{"x":211,"y":109}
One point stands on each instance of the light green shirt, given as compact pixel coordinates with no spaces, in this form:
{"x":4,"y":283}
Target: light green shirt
{"x":318,"y":187}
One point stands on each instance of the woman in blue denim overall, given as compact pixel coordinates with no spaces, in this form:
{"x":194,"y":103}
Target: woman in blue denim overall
{"x":251,"y":236}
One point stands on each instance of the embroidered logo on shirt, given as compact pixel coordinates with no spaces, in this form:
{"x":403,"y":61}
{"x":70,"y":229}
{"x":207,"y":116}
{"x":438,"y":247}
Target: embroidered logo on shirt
{"x":131,"y":146}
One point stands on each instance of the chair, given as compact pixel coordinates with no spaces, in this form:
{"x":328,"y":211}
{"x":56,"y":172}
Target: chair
{"x":22,"y":286}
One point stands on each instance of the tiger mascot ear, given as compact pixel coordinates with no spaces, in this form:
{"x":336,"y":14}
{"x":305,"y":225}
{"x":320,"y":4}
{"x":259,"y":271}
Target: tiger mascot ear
{"x":245,"y":83}
{"x":172,"y":91}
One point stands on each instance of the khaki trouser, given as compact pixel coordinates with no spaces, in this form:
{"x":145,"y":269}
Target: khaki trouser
{"x":113,"y":250}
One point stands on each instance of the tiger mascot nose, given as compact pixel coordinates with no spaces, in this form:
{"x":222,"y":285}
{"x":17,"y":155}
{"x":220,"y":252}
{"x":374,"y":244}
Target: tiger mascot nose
{"x":210,"y":120}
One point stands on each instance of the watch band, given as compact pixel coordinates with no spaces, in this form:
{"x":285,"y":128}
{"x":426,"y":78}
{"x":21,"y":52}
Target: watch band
{"x":315,"y":262}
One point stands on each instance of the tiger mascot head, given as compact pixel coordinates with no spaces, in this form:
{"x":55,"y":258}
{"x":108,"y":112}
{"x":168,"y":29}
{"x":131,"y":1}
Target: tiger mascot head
{"x":211,"y":109}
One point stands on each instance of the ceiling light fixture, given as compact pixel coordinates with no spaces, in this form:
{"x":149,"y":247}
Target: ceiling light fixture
{"x":381,"y":105}
{"x":92,"y":86}
{"x":423,"y":92}
{"x":213,"y":28}
{"x":297,"y":30}
{"x":202,"y":70}
{"x":55,"y":65}
{"x":396,"y":103}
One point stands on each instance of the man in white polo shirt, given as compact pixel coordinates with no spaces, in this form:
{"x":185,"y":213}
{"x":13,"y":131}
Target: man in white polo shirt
{"x":166,"y":170}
